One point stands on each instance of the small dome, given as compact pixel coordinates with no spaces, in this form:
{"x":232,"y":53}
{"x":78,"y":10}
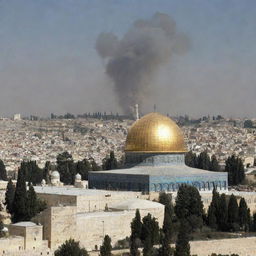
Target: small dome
{"x":43,"y":182}
{"x":78,"y":176}
{"x":155,"y":133}
{"x":55,"y":175}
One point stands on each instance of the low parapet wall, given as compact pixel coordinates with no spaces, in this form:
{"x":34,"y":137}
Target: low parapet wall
{"x":240,"y":246}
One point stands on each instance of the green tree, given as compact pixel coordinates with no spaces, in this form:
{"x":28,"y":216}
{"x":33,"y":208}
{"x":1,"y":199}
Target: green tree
{"x":248,"y":124}
{"x":135,"y":242}
{"x":9,"y":196}
{"x":3,"y":175}
{"x":223,"y":213}
{"x":94,"y":165}
{"x":211,"y":217}
{"x":106,"y":248}
{"x":204,"y":161}
{"x":150,"y":229}
{"x":109,"y":162}
{"x":2,"y":233}
{"x":167,"y":231}
{"x":189,"y":206}
{"x":66,"y":167}
{"x":20,"y":197}
{"x":31,"y":203}
{"x":214,"y":165}
{"x":71,"y":248}
{"x":182,"y":247}
{"x":233,"y":219}
{"x":243,"y":214}
{"x":46,"y":171}
{"x":166,"y":200}
{"x":191,"y":159}
{"x":83,"y":167}
{"x":32,"y":172}
{"x":147,"y":247}
{"x":235,"y":168}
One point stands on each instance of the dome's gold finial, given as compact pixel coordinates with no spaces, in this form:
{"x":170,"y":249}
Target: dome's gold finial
{"x":155,"y":133}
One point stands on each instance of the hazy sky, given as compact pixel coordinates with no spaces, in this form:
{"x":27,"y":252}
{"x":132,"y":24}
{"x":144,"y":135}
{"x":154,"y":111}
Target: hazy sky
{"x":48,"y":61}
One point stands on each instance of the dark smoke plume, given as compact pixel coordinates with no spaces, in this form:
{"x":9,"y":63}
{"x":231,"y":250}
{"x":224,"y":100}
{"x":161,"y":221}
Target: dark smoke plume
{"x":132,"y":61}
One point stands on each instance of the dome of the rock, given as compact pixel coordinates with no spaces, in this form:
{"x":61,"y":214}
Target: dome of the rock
{"x":155,"y":133}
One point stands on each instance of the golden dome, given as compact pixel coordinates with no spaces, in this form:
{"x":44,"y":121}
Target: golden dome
{"x":155,"y":133}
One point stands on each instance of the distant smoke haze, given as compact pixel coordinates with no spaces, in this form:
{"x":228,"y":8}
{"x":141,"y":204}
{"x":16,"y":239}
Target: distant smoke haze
{"x":56,"y":57}
{"x":133,"y":61}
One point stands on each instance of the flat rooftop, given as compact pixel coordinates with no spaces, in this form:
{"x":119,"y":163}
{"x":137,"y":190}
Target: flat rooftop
{"x":173,"y":170}
{"x":72,"y":191}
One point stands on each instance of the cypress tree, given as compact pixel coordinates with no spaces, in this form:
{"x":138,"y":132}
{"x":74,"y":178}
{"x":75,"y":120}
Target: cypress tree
{"x":223,"y":213}
{"x":235,"y":168}
{"x":204,"y":161}
{"x":150,"y":229}
{"x":83,"y":167}
{"x":211,"y":218}
{"x":182,"y":247}
{"x":94,"y":166}
{"x":147,"y":247}
{"x":109,"y":163}
{"x":242,"y":214}
{"x":166,"y":200}
{"x":233,"y":213}
{"x":3,"y":174}
{"x":167,"y":231}
{"x":191,"y":159}
{"x":20,"y":197}
{"x":106,"y":248}
{"x":9,"y":196}
{"x":46,"y":172}
{"x":165,"y":249}
{"x":66,"y":167}
{"x":254,"y":222}
{"x":249,"y":221}
{"x":31,"y":203}
{"x":136,"y":227}
{"x":189,"y":206}
{"x":214,"y":165}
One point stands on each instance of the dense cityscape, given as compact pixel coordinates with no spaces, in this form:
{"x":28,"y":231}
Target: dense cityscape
{"x":43,"y":140}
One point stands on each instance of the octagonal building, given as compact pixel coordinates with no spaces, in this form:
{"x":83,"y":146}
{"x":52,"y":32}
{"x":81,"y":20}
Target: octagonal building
{"x":155,"y":161}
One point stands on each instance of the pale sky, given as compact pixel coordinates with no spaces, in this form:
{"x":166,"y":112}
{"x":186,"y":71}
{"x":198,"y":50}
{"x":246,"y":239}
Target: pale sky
{"x":48,"y":61}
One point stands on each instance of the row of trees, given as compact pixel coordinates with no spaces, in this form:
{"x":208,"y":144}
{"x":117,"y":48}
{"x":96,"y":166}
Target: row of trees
{"x":233,"y":166}
{"x":96,"y":115}
{"x":202,"y":161}
{"x":188,"y":211}
{"x":66,"y":166}
{"x":22,"y":203}
{"x":225,"y":214}
{"x":186,"y":217}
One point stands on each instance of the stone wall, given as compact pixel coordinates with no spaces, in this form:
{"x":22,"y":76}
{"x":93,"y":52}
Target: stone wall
{"x":240,"y":246}
{"x":59,"y":224}
{"x":11,"y":244}
{"x":87,"y":203}
{"x":57,"y":200}
{"x":92,"y":227}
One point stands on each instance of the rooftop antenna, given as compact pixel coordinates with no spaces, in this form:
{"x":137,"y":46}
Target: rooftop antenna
{"x":137,"y":112}
{"x":154,"y":107}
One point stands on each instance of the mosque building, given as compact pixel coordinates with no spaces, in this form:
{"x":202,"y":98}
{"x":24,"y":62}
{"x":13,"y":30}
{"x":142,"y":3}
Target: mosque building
{"x":155,"y":161}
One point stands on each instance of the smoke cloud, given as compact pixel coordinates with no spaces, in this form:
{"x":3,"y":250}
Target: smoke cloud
{"x":132,"y":61}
